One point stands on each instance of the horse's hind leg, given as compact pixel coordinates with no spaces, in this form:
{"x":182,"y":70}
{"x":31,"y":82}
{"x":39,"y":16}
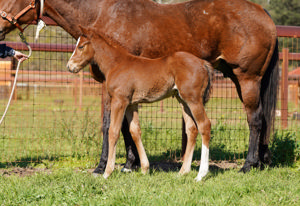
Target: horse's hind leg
{"x":204,"y":127}
{"x":132,"y":158}
{"x":135,"y":130}
{"x":192,"y":132}
{"x":250,"y":96}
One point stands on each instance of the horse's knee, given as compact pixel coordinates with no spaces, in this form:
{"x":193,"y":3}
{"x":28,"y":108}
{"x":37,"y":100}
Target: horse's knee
{"x":113,"y":137}
{"x":205,"y":127}
{"x":135,"y":131}
{"x":192,"y":132}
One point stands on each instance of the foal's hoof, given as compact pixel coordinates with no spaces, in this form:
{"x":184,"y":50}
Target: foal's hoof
{"x":198,"y":179}
{"x":130,"y":168}
{"x":105,"y":175}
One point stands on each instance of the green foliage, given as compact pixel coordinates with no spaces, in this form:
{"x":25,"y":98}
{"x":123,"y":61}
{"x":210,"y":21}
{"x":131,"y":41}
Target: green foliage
{"x":285,"y":12}
{"x":285,"y":149}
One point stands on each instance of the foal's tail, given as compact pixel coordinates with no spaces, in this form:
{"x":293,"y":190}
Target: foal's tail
{"x":208,"y":88}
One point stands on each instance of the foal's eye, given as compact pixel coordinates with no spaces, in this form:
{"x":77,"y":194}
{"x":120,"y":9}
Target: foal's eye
{"x":81,"y":47}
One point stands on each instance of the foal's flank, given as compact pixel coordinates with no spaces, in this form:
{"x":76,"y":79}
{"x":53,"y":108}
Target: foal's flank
{"x":131,"y":80}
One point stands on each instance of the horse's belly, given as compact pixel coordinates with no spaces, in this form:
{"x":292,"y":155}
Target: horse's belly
{"x":149,"y":96}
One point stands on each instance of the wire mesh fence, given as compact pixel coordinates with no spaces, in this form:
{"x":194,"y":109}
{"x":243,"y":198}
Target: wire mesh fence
{"x":57,"y":115}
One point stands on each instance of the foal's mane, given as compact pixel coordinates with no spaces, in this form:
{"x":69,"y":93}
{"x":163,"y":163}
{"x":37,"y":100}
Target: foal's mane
{"x":112,"y":42}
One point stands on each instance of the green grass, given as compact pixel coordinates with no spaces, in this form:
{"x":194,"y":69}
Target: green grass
{"x":53,"y":132}
{"x":273,"y":186}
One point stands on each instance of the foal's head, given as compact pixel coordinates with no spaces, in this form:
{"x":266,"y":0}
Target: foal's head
{"x":83,"y":53}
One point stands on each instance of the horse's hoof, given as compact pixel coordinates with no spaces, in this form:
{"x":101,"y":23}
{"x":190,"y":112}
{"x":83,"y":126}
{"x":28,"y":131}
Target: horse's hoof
{"x":247,"y":167}
{"x":99,"y":170}
{"x":198,"y":178}
{"x":130,"y":167}
{"x":126,"y":170}
{"x":96,"y":174}
{"x":105,"y":175}
{"x":244,"y":170}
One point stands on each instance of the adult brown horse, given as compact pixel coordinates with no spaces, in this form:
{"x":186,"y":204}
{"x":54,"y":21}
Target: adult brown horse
{"x":131,"y":80}
{"x":238,"y":37}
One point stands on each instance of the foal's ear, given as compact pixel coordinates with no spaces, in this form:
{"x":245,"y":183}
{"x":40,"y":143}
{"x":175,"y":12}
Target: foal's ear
{"x":85,"y":31}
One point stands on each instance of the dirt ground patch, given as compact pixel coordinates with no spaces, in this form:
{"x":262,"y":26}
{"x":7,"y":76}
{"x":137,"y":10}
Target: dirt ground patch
{"x":160,"y":166}
{"x":23,"y":172}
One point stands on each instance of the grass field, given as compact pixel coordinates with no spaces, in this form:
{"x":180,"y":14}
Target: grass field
{"x":49,"y":158}
{"x":273,"y":186}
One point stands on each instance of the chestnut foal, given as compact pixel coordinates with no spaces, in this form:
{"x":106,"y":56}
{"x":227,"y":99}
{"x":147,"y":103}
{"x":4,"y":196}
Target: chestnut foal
{"x":131,"y":80}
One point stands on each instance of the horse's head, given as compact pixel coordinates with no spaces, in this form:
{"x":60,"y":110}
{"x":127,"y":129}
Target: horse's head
{"x":83,"y":53}
{"x":14,"y":13}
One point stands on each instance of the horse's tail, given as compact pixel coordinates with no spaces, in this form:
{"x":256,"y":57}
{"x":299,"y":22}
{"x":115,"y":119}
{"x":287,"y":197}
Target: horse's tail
{"x":268,"y":95}
{"x":208,"y":88}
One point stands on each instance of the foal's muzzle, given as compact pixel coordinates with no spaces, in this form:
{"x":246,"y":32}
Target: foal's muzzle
{"x":72,"y":68}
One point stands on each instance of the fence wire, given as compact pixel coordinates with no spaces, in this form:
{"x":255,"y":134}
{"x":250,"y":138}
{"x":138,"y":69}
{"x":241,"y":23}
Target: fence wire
{"x":56,"y":115}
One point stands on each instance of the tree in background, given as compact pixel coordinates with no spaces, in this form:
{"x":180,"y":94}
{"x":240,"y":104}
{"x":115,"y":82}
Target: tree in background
{"x":285,"y":12}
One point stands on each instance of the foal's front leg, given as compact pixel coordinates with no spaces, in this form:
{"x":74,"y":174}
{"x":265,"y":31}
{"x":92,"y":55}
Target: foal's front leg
{"x":132,"y":159}
{"x":118,"y":107}
{"x":135,"y":130}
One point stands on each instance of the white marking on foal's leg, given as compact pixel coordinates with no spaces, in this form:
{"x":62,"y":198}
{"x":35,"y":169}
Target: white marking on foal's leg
{"x":203,"y":170}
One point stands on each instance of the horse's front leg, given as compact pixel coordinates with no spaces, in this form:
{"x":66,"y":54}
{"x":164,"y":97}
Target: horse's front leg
{"x":118,"y":107}
{"x":105,"y":127}
{"x":132,"y":160}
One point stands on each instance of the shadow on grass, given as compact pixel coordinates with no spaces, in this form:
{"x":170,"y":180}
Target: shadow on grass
{"x":284,"y":147}
{"x":28,"y":162}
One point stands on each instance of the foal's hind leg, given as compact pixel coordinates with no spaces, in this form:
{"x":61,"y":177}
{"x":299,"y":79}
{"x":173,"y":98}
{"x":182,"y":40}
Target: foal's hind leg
{"x":192,"y":132}
{"x":204,"y":127}
{"x":135,"y":130}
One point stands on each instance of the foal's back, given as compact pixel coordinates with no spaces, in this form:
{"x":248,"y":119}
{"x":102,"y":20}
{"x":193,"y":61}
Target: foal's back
{"x":146,"y":80}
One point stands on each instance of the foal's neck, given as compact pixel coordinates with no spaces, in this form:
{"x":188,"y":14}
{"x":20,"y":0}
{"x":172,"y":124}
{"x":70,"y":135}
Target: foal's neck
{"x":108,"y":53}
{"x":70,"y":13}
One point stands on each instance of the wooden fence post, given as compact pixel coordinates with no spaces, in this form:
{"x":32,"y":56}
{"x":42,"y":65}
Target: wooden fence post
{"x":80,"y":89}
{"x":75,"y":92}
{"x":284,"y":88}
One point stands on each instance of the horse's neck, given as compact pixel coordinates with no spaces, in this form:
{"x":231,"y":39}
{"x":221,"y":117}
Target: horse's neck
{"x":69,"y":14}
{"x":108,"y":56}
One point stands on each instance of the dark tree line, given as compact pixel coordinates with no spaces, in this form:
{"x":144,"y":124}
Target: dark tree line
{"x":283,"y":12}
